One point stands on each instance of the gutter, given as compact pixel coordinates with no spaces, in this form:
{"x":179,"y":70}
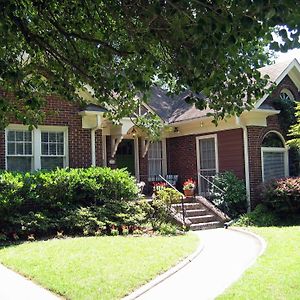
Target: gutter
{"x":93,"y":139}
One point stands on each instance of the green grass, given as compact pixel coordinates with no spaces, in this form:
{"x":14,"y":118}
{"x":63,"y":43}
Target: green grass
{"x":97,"y":267}
{"x":276,"y":274}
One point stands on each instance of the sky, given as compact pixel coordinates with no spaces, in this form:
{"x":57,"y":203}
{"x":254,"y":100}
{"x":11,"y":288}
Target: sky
{"x":295,"y":53}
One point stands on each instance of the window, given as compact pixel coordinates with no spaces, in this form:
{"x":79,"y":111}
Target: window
{"x":19,"y":150}
{"x":42,"y":148}
{"x":53,"y":152}
{"x":286,"y":94}
{"x":274,"y":157}
{"x":155,"y":160}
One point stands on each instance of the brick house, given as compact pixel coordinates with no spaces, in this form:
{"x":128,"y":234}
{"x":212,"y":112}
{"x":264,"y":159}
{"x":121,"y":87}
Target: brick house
{"x":251,"y":145}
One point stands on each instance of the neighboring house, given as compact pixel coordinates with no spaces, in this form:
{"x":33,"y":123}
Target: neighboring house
{"x":251,"y":145}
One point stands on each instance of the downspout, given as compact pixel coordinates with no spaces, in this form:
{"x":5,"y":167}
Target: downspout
{"x":93,"y":139}
{"x":246,"y":161}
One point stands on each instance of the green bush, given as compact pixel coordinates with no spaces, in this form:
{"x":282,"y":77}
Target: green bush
{"x":230,"y":194}
{"x":260,"y":216}
{"x":69,"y":200}
{"x":282,"y":195}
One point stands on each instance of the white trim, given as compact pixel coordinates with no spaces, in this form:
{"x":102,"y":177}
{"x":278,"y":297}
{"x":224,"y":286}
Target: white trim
{"x":283,"y":150}
{"x":289,"y":93}
{"x":198,"y":138}
{"x":293,"y":63}
{"x":104,"y":155}
{"x":36,"y":143}
{"x":93,"y":147}
{"x":136,"y":158}
{"x":164,"y":156}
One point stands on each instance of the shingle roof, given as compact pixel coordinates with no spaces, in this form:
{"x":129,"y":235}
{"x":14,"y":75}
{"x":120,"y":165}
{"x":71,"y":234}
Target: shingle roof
{"x":175,"y":109}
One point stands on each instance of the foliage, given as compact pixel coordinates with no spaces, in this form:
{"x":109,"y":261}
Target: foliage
{"x":69,"y":200}
{"x":118,"y":49}
{"x":229,"y":194}
{"x":294,"y":131}
{"x":168,"y":229}
{"x":158,"y":211}
{"x":189,"y":184}
{"x":287,"y":113}
{"x":260,"y":217}
{"x":282,"y":195}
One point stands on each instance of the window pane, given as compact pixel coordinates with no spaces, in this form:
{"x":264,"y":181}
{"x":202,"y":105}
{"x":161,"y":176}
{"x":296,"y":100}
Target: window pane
{"x":19,"y":135}
{"x":20,"y":149}
{"x":11,"y":136}
{"x":11,"y":149}
{"x":16,"y":163}
{"x":52,"y":149}
{"x":27,"y":136}
{"x":45,"y":149}
{"x":28,"y":148}
{"x":52,"y":137}
{"x":273,"y":165}
{"x":60,"y":149}
{"x":50,"y":163}
{"x":60,"y":137}
{"x":44,"y":136}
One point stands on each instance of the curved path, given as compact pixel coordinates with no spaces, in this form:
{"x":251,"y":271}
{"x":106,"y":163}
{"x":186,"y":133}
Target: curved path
{"x":225,"y":256}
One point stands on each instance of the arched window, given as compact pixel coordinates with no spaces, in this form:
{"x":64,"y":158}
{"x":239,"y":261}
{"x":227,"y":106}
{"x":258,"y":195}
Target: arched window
{"x":286,"y":94}
{"x":274,"y":156}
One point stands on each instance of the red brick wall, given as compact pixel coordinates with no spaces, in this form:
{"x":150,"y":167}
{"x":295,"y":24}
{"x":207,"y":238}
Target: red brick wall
{"x":182,"y":157}
{"x":64,"y":113}
{"x":255,"y":137}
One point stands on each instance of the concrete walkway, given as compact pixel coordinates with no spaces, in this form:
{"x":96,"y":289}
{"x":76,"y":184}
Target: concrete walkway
{"x":15,"y":287}
{"x":225,"y":256}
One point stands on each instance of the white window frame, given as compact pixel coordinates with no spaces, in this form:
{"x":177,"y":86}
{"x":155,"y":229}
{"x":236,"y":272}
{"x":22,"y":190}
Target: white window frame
{"x":202,"y":137}
{"x":283,"y":150}
{"x":163,"y":158}
{"x":36,"y":142}
{"x":288,"y":93}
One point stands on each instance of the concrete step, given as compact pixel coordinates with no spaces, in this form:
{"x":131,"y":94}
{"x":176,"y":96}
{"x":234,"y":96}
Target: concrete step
{"x":196,"y":212}
{"x":207,"y":225}
{"x":202,"y":219}
{"x":188,"y":206}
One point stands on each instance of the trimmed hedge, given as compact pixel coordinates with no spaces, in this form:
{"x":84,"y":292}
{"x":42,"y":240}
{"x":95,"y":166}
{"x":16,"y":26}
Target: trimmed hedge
{"x":69,"y":200}
{"x":282,"y":195}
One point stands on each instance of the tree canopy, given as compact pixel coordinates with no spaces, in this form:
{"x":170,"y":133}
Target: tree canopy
{"x":120,"y":48}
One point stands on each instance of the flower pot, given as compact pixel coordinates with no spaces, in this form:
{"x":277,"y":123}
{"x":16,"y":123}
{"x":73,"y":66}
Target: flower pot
{"x":188,"y":193}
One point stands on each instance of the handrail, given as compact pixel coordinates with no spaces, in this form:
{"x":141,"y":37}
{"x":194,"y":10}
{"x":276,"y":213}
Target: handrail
{"x":181,"y":197}
{"x":222,"y":191}
{"x":211,"y":183}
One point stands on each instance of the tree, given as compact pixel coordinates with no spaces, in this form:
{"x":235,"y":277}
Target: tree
{"x":294,"y":131}
{"x":120,"y":48}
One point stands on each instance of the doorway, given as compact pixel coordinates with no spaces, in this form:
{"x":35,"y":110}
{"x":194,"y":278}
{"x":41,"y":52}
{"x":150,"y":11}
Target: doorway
{"x":125,"y":156}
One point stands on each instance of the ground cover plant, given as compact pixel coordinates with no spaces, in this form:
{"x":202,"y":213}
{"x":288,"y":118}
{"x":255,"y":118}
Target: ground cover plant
{"x":97,"y":267}
{"x":276,"y":273}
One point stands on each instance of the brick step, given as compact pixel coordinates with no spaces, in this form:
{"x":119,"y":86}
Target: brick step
{"x":202,"y":219}
{"x":207,"y":225}
{"x":196,"y":212}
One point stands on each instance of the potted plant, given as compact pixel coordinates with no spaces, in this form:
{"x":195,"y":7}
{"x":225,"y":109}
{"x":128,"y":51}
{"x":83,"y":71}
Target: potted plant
{"x":189,"y":187}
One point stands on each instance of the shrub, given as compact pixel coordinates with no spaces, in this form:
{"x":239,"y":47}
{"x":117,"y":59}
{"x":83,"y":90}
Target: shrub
{"x":167,"y":229}
{"x":72,"y":200}
{"x":230,"y":194}
{"x":158,"y":211}
{"x":282,"y":195}
{"x":260,"y":216}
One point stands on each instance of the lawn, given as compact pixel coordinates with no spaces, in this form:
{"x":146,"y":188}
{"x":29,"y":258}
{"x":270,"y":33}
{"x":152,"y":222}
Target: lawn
{"x":276,"y":274}
{"x":97,"y":267}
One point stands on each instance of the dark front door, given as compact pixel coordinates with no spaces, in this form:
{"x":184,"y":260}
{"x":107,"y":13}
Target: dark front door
{"x":125,"y":155}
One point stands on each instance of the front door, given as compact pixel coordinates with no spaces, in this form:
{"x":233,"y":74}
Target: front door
{"x":125,"y":155}
{"x":207,"y":160}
